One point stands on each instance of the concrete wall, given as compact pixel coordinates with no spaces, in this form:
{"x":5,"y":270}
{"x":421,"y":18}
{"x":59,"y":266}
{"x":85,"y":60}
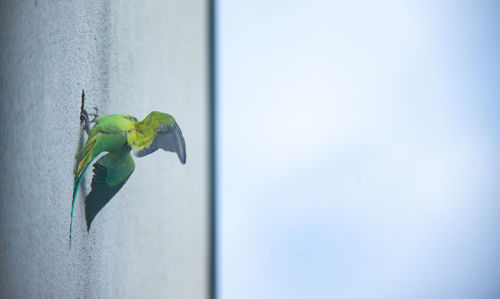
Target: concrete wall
{"x":150,"y":240}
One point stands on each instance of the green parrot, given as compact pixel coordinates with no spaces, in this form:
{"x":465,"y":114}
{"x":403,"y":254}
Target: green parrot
{"x":118,"y":134}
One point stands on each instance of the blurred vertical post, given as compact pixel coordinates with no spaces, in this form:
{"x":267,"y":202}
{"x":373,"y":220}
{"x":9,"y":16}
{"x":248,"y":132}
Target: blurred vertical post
{"x":151,"y":240}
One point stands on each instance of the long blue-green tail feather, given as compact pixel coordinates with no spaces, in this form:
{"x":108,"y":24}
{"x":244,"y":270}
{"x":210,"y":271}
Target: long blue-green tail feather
{"x":78,"y":181}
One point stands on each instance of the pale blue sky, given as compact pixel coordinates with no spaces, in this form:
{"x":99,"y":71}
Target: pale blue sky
{"x":358,"y":149}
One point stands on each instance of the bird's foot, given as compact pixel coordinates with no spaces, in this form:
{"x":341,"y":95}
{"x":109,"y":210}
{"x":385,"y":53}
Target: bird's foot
{"x":84,"y":115}
{"x":85,"y":121}
{"x":94,"y":115}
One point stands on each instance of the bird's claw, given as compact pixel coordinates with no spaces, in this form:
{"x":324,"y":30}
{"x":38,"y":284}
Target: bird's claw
{"x":84,"y":115}
{"x":84,"y":120}
{"x":94,"y":115}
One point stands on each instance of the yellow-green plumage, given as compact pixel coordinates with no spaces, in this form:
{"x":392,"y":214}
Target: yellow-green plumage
{"x":117,"y":134}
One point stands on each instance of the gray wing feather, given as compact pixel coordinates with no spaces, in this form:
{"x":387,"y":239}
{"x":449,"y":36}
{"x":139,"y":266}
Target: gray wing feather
{"x":168,"y":138}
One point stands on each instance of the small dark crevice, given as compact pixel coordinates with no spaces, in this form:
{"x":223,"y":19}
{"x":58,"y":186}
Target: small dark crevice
{"x":81,"y":142}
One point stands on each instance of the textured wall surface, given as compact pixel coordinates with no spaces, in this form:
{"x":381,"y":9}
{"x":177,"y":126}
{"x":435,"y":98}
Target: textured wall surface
{"x":150,"y":240}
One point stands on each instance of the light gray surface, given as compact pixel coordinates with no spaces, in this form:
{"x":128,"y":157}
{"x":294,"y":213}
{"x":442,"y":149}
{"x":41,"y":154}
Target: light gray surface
{"x":150,"y":240}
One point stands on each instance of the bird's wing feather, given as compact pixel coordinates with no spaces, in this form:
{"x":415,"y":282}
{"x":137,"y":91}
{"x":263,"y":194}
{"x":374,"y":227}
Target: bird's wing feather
{"x":168,"y":138}
{"x":111,"y":172}
{"x":158,"y":130}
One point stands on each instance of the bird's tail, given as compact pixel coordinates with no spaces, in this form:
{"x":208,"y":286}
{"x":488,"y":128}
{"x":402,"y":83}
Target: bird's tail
{"x":85,"y":157}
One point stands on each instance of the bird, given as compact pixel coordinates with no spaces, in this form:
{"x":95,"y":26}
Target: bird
{"x":118,"y":135}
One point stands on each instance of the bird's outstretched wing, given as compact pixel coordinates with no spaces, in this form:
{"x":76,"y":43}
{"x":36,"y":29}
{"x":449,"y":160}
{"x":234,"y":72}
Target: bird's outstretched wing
{"x":111,"y":172}
{"x":157,"y":130}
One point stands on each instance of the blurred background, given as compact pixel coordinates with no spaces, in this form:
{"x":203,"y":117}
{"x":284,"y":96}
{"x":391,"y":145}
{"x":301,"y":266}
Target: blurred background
{"x":358,"y":149}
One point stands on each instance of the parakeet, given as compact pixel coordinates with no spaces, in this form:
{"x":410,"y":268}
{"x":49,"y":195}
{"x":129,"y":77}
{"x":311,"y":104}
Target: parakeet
{"x":118,"y":134}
